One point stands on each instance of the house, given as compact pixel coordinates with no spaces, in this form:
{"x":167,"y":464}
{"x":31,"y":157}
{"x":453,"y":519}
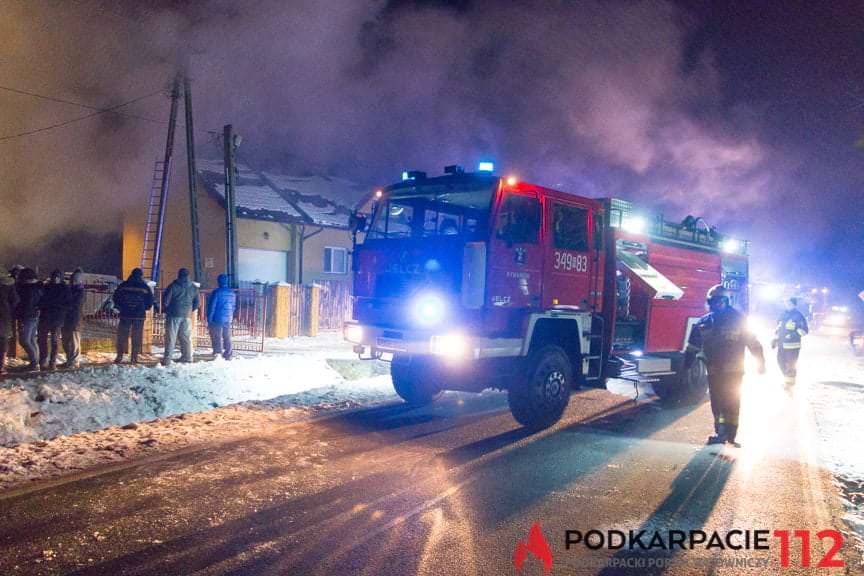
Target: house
{"x":289,"y":228}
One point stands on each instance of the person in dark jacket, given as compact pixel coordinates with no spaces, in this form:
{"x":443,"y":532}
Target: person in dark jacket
{"x":180,"y":300}
{"x":721,"y":336}
{"x":791,"y":328}
{"x":72,"y":321}
{"x":27,"y":314}
{"x":52,"y":311}
{"x":8,"y":302}
{"x":220,"y":315}
{"x":133,"y":298}
{"x":12,"y":348}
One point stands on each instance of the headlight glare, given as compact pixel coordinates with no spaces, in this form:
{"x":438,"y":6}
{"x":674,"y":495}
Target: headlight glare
{"x":353,"y":333}
{"x":455,"y":345}
{"x":428,"y":309}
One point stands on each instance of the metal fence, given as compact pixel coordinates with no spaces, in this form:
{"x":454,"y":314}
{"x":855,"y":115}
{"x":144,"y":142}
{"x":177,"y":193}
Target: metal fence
{"x":247,"y":330}
{"x":255,"y":318}
{"x":99,"y":320}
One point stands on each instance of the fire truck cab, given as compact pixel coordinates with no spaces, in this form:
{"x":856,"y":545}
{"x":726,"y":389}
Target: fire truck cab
{"x":468,"y":281}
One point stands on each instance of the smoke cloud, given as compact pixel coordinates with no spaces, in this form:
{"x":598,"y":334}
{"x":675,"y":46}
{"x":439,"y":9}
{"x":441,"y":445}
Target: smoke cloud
{"x":601,"y":99}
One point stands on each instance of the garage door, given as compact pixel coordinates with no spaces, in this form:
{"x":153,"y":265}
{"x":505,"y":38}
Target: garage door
{"x":263,"y":265}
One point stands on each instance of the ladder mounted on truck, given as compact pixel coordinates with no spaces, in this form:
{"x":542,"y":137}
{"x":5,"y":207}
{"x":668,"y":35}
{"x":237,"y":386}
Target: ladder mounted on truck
{"x":692,"y":231}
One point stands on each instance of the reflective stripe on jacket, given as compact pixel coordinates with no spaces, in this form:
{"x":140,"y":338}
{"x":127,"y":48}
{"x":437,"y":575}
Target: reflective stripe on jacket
{"x":791,"y":327}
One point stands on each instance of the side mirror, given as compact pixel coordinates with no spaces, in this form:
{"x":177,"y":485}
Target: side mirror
{"x":357,"y":222}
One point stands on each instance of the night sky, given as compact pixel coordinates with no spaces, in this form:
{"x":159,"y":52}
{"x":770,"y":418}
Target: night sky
{"x":746,"y":113}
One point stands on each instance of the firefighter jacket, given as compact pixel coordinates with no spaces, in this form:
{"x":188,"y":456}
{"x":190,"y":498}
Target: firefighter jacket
{"x":722,"y":337}
{"x":791,"y":327}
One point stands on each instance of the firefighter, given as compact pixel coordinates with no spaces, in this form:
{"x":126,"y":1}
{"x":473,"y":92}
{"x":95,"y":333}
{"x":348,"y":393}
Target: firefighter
{"x":791,"y":327}
{"x":721,"y":336}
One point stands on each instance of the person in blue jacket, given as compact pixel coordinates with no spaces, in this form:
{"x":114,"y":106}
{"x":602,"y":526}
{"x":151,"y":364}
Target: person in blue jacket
{"x":220,"y":315}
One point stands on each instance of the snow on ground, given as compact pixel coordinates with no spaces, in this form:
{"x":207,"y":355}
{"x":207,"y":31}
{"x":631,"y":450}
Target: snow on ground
{"x":63,"y":403}
{"x":327,"y":344}
{"x":52,"y":423}
{"x":836,"y":397}
{"x":87,"y":359}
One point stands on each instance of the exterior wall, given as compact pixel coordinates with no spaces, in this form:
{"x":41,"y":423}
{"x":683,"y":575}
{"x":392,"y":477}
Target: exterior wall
{"x":176,"y":239}
{"x":313,"y":255}
{"x":177,"y":243}
{"x":264,"y":235}
{"x":133,"y":240}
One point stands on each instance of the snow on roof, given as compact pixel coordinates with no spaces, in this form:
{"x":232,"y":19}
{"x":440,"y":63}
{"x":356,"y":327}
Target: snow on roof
{"x":319,"y":200}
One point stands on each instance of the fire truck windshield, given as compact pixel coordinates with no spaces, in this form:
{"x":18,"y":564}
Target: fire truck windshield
{"x":423,"y":211}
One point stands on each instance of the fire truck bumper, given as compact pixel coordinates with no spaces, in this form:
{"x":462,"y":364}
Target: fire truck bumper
{"x":452,"y":344}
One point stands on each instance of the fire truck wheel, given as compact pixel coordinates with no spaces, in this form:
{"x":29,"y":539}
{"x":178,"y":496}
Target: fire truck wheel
{"x":538,"y":399}
{"x":695,"y":383}
{"x":686,"y":387}
{"x":415,"y":382}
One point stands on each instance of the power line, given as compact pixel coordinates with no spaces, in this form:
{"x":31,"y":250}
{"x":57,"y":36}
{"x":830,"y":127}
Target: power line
{"x":80,"y":118}
{"x":112,"y":110}
{"x":79,"y":104}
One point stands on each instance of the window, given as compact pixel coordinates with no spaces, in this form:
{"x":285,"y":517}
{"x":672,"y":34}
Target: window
{"x":335,"y":260}
{"x":434,"y":210}
{"x":570,"y":227}
{"x":519,"y":220}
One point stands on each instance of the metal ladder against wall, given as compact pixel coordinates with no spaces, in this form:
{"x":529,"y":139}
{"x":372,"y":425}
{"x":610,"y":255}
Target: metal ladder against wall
{"x":154,"y":225}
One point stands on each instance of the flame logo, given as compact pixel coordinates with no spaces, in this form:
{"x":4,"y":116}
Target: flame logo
{"x":538,"y":546}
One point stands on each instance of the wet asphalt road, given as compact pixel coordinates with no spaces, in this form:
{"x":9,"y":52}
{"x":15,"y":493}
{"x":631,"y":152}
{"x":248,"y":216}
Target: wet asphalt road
{"x":448,"y":489}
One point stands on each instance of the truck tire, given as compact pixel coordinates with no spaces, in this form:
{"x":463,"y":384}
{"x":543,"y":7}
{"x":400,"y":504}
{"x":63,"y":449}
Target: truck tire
{"x":539,"y":398}
{"x":685,"y":387}
{"x":415,"y":381}
{"x":695,"y":381}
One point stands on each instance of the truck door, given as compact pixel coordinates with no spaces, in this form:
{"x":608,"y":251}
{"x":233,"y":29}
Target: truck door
{"x":515,"y":252}
{"x":568,"y":254}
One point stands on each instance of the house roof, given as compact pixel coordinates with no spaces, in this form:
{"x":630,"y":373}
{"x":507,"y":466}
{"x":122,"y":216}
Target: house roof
{"x":269,"y":195}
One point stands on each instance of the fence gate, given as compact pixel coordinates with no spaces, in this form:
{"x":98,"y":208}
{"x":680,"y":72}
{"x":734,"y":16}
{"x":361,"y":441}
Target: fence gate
{"x":247,"y":331}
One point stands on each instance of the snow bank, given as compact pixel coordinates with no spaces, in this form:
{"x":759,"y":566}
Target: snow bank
{"x":96,"y":398}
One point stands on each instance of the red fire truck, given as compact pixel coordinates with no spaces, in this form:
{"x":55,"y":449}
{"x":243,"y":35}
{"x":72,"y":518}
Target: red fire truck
{"x":468,"y":281}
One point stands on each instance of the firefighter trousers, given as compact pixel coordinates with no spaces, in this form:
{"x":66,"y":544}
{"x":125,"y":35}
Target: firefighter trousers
{"x":787,"y":359}
{"x":724,"y":389}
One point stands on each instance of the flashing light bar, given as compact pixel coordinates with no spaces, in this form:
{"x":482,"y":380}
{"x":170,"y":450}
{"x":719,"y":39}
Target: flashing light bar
{"x":485,"y":166}
{"x":634,"y":224}
{"x":731,"y":245}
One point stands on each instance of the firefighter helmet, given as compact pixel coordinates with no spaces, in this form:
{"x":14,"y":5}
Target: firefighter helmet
{"x":717,"y":293}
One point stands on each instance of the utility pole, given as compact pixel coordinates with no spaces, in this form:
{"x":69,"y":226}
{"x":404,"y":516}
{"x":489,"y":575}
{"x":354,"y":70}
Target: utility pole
{"x":166,"y":177}
{"x":193,"y":179}
{"x":231,"y":141}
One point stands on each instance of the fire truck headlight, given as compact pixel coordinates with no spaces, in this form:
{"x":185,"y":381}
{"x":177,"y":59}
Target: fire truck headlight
{"x":353,"y":333}
{"x":429,"y":309}
{"x":454,"y":345}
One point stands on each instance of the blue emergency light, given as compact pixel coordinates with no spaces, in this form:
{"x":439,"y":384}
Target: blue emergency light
{"x":485,"y":166}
